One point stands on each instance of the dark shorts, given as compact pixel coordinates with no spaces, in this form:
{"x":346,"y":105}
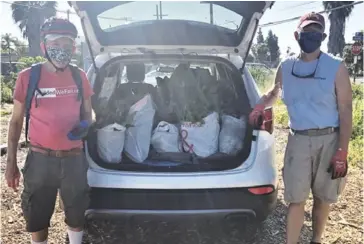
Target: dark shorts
{"x":43,"y":176}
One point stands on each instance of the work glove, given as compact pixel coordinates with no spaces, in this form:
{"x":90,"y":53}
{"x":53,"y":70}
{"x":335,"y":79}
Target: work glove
{"x":338,"y":165}
{"x":79,"y":131}
{"x":256,"y":117}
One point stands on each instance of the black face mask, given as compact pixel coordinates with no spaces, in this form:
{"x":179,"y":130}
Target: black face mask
{"x":310,"y":41}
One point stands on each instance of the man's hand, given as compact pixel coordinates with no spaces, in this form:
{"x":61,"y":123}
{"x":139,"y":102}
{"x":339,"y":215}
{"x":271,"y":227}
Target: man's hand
{"x":256,"y":117}
{"x":12,"y":174}
{"x":79,"y":131}
{"x":338,"y":165}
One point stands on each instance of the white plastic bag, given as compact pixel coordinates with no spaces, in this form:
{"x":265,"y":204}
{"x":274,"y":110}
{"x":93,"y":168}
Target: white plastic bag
{"x":231,"y":139}
{"x":110,"y":142}
{"x":138,"y":136}
{"x":201,"y":138}
{"x":165,"y":138}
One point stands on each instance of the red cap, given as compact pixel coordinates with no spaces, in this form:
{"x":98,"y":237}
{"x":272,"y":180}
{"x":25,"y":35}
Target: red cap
{"x":312,"y":18}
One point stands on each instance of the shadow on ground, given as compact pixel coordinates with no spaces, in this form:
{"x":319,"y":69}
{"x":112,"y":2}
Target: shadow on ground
{"x":198,"y":231}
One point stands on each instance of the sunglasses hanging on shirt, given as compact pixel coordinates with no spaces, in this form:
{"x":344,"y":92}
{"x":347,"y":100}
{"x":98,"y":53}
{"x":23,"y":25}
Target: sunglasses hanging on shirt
{"x":309,"y":76}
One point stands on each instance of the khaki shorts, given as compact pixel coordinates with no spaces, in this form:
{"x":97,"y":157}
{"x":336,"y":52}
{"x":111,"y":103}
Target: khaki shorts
{"x":306,"y":161}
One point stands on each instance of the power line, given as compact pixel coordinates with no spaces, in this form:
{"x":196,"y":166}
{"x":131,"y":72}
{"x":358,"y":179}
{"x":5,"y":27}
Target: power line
{"x":298,"y":17}
{"x":68,"y":12}
{"x":295,"y":6}
{"x":315,"y":6}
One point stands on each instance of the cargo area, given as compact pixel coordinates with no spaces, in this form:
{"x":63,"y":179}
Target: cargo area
{"x":169,"y":113}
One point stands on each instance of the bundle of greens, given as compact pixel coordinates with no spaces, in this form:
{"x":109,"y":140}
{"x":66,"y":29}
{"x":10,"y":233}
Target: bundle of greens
{"x":193,"y":95}
{"x":228,"y":100}
{"x":116,"y":111}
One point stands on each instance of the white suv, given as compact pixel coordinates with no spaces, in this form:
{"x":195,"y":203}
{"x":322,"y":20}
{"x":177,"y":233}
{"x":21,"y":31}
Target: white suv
{"x":178,"y":184}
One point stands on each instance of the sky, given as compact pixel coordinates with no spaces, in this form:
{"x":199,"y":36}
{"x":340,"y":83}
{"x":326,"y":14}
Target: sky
{"x":280,"y":11}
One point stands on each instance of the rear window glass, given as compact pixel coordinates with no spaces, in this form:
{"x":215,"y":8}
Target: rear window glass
{"x":134,"y":12}
{"x":212,"y":84}
{"x":118,"y":72}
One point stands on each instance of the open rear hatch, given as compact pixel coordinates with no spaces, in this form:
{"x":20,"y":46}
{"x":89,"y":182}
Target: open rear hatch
{"x":121,"y":26}
{"x":175,"y":38}
{"x":202,"y":99}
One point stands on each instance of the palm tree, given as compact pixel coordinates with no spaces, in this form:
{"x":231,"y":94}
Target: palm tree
{"x":9,"y":44}
{"x":337,"y":25}
{"x":22,"y":49}
{"x":30,"y":15}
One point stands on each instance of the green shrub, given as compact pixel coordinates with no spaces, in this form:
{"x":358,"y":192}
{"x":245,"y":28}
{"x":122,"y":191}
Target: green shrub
{"x":262,"y":77}
{"x":356,"y":143}
{"x":8,"y":82}
{"x":7,"y":87}
{"x":6,"y":91}
{"x":358,"y":129}
{"x":28,"y":61}
{"x":356,"y":152}
{"x":280,"y":114}
{"x":358,"y":91}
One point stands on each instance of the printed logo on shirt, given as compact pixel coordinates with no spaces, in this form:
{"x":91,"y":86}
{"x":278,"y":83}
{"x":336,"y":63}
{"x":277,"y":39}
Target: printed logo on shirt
{"x":56,"y":92}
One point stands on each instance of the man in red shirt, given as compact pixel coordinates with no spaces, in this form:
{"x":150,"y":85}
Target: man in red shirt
{"x":54,"y":161}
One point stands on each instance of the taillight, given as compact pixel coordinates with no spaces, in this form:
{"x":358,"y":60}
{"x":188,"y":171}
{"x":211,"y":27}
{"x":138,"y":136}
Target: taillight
{"x":267,"y":124}
{"x":261,"y":190}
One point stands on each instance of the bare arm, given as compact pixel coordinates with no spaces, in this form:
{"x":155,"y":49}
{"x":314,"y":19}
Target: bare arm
{"x":271,"y":97}
{"x":15,"y":128}
{"x":87,"y":110}
{"x":344,"y":101}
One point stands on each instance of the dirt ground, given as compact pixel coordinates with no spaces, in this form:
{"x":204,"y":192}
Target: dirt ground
{"x":345,"y":224}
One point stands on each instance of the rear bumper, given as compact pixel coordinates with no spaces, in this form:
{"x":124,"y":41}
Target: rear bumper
{"x":108,"y":203}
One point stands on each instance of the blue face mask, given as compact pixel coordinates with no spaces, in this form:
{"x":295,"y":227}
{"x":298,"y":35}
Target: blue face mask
{"x":310,"y":41}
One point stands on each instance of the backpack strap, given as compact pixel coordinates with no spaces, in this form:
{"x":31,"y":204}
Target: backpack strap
{"x":35,"y":72}
{"x":78,"y":80}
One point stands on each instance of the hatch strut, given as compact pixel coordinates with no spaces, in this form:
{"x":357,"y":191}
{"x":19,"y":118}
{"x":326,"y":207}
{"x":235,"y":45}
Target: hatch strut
{"x":89,"y":46}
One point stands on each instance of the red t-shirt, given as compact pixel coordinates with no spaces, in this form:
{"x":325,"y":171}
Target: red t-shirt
{"x":57,"y":112}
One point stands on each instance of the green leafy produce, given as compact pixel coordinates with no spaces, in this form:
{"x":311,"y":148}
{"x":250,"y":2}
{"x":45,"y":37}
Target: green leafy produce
{"x":193,"y":95}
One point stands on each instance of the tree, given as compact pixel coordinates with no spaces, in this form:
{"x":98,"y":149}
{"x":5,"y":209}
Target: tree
{"x":272,"y":43}
{"x":260,"y":37}
{"x":30,"y":15}
{"x":266,"y":51}
{"x":337,"y":19}
{"x":22,"y":49}
{"x":9,"y":44}
{"x":250,"y":58}
{"x":261,"y":52}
